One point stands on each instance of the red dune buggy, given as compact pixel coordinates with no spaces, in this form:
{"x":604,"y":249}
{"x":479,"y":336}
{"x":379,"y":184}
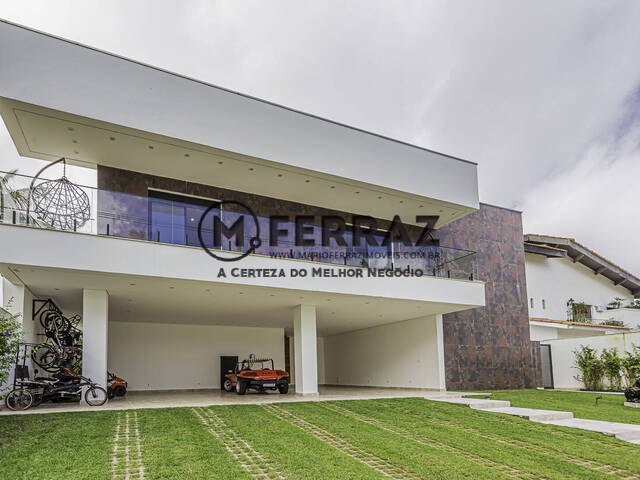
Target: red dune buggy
{"x":257,"y":374}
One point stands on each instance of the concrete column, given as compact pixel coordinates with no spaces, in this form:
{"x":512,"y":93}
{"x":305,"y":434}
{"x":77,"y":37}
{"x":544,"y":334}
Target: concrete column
{"x":442,"y":374}
{"x":95,"y":322}
{"x":17,"y":299}
{"x":305,"y":350}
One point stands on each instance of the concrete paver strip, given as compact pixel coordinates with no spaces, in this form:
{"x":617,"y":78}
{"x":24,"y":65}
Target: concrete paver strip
{"x":422,"y":439}
{"x":371,"y":460}
{"x":589,"y":464}
{"x":622,"y":431}
{"x":248,"y":457}
{"x":126,"y":463}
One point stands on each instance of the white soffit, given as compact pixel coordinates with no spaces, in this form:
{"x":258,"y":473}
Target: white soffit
{"x":48,"y":134}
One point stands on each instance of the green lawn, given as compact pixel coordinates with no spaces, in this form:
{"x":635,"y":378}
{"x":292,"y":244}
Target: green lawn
{"x":582,"y":404}
{"x":398,"y":438}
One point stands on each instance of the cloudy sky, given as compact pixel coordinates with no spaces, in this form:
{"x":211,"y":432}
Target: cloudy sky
{"x":544,"y":96}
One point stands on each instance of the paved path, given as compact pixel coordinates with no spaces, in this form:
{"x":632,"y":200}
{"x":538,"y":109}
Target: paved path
{"x":622,"y":431}
{"x":205,"y":398}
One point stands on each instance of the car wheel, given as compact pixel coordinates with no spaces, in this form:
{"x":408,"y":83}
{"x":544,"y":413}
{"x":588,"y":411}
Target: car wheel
{"x":228,"y":386}
{"x":241,"y":387}
{"x":283,"y":388}
{"x":119,"y":391}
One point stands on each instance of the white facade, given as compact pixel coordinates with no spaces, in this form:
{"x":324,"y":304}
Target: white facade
{"x":160,"y":315}
{"x":551,"y":282}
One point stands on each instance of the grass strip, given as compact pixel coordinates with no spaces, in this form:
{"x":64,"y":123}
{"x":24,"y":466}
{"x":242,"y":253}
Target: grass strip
{"x":175,"y":444}
{"x":571,"y":442}
{"x":427,"y":458}
{"x":527,"y":463}
{"x":583,"y":404}
{"x":74,"y":446}
{"x":296,"y":453}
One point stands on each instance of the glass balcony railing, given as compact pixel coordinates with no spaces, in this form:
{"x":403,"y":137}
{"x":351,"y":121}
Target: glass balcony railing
{"x":170,"y":219}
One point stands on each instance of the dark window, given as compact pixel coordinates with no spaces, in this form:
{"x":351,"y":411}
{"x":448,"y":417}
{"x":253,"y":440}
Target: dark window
{"x":174,"y":218}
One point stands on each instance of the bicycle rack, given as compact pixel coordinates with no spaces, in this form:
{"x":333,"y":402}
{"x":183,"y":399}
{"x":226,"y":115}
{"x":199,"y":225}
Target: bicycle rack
{"x":44,"y":305}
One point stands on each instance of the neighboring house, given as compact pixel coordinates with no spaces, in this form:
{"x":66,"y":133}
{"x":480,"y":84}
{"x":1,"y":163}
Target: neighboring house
{"x":155,"y":306}
{"x":574,"y":292}
{"x":576,"y":297}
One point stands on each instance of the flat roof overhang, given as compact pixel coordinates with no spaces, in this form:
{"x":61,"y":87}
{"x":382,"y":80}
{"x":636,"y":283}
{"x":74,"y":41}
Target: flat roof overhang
{"x":175,"y":301}
{"x":55,"y":91}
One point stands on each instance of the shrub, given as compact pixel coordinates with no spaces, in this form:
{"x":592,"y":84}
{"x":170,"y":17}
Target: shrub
{"x":580,"y":312}
{"x":591,"y":367}
{"x":612,"y":365}
{"x":616,"y":303}
{"x":10,"y":338}
{"x":613,"y":322}
{"x":632,"y":394}
{"x":630,"y":365}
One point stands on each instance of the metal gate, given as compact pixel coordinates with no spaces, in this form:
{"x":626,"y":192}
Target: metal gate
{"x":546,"y":366}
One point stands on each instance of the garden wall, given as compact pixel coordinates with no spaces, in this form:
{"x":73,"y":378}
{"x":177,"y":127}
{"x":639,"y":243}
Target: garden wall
{"x":563,"y":359}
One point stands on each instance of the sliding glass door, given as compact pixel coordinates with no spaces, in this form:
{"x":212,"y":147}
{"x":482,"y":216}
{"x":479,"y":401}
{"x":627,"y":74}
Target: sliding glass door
{"x":175,"y":218}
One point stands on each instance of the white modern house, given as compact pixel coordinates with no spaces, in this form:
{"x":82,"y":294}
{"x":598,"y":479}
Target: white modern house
{"x":155,"y":307}
{"x":577,"y":297}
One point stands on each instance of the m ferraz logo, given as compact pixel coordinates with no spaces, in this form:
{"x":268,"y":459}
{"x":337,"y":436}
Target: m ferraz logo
{"x":335,"y":231}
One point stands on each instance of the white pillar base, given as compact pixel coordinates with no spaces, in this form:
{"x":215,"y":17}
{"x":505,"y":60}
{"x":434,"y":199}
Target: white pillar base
{"x":305,"y":350}
{"x":95,"y":322}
